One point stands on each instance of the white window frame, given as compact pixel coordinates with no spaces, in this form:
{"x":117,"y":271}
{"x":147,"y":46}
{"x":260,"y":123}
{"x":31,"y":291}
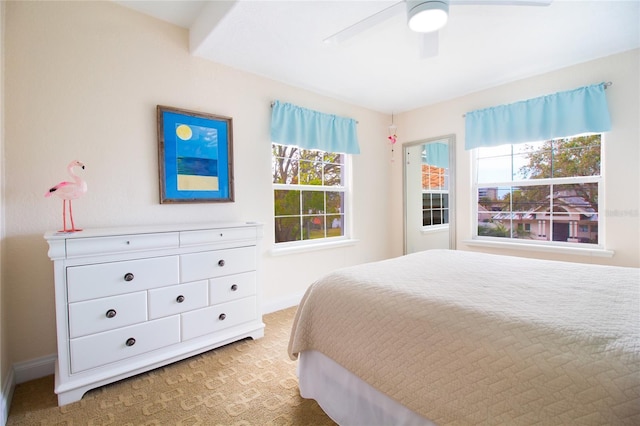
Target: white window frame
{"x":326,"y":242}
{"x":537,"y":245}
{"x":440,"y":226}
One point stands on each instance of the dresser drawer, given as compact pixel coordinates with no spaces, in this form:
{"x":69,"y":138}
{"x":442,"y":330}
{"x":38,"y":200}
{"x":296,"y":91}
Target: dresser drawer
{"x":121,"y":244}
{"x":218,"y":317}
{"x":177,"y":298}
{"x":103,"y":348}
{"x":213,"y":236}
{"x":216,"y":263}
{"x":98,"y":315}
{"x":232,"y":287}
{"x":109,"y":279}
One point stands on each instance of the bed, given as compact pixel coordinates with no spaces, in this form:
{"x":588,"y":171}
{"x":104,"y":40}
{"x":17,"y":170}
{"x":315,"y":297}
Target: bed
{"x":455,"y":337}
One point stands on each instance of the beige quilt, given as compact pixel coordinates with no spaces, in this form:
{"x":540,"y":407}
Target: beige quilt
{"x":472,"y":338}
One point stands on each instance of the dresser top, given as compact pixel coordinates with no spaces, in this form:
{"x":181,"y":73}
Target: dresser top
{"x":146,"y":229}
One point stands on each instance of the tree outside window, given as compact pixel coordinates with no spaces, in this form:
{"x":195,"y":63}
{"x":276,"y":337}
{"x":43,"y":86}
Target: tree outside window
{"x":309,"y":194}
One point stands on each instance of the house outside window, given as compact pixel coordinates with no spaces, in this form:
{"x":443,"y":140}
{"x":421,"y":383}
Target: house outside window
{"x":309,"y":191}
{"x":541,"y":192}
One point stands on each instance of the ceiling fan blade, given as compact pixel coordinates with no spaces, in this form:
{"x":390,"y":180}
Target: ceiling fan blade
{"x":429,"y":45}
{"x":500,"y":2}
{"x":366,"y":23}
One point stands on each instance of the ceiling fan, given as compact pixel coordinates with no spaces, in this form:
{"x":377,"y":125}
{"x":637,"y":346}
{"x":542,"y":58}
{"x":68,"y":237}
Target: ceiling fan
{"x":423,"y":16}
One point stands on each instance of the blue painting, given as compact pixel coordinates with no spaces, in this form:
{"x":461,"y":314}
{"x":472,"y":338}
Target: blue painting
{"x":195,"y":156}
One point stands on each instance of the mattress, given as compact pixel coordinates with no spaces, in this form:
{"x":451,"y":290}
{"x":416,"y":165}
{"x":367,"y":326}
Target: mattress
{"x":466,"y":338}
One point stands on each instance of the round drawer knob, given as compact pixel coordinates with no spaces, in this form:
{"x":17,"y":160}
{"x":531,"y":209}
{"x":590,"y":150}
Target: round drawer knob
{"x":221,"y":262}
{"x":111,"y":313}
{"x":234,"y":287}
{"x":130,"y":341}
{"x":222,"y":317}
{"x":180,"y":299}
{"x":128,"y":276}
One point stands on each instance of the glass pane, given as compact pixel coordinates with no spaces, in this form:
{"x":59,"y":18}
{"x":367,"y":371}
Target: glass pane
{"x":580,"y":197}
{"x":531,"y":206}
{"x":491,"y":199}
{"x":284,"y":164}
{"x":312,"y":202}
{"x":310,"y":173}
{"x":287,"y":229}
{"x":445,"y":201}
{"x":335,"y":202}
{"x":333,"y":175}
{"x":437,"y":180}
{"x":575,"y":213}
{"x":284,"y":170}
{"x":445,"y":216}
{"x":436,"y":215}
{"x":494,"y":169}
{"x":426,"y":177}
{"x":426,"y":200}
{"x":529,"y":199}
{"x":445,"y":184}
{"x":426,"y":218}
{"x":578,"y":156}
{"x":497,"y":216}
{"x":335,"y":225}
{"x":286,"y":203}
{"x":333,"y":157}
{"x":533,"y":160}
{"x":436,"y":201}
{"x":313,"y":227}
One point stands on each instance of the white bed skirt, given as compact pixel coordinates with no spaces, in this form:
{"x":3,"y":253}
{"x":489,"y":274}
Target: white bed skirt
{"x":347,"y":399}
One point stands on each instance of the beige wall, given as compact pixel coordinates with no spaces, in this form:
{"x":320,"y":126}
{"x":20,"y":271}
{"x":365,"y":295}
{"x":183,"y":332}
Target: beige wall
{"x":83,"y":80}
{"x":621,"y":157}
{"x":4,"y":352}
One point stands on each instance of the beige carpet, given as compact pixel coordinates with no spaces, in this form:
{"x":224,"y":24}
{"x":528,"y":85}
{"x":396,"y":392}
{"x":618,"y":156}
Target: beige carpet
{"x":245,"y":383}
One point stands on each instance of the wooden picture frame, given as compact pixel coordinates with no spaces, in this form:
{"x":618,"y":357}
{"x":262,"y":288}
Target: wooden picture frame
{"x":195,"y":156}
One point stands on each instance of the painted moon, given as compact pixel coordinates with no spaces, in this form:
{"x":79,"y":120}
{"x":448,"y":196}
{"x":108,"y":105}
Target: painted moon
{"x":184,"y":132}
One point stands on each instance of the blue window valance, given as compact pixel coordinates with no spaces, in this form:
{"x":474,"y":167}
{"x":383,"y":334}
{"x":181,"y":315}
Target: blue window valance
{"x":563,"y":114}
{"x":437,"y":154}
{"x":305,"y":128}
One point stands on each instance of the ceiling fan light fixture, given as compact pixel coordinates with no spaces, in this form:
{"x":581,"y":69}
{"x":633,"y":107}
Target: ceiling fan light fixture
{"x":425,"y":16}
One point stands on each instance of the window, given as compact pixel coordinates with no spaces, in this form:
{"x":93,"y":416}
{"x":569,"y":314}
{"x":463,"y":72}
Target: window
{"x":435,"y":195}
{"x":309,"y":190}
{"x":542,"y":191}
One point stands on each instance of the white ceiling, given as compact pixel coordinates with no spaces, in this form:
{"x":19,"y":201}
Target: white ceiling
{"x":381,"y":68}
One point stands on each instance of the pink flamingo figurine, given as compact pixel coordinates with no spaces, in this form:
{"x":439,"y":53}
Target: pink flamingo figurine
{"x":69,"y":191}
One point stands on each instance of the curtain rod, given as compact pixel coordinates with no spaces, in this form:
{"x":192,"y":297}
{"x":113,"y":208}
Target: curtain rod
{"x":606,"y":84}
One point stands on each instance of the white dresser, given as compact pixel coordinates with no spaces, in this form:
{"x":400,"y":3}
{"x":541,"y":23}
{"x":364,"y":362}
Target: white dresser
{"x":129,"y":300}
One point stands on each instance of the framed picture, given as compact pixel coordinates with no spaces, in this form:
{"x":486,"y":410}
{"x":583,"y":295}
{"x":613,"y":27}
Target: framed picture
{"x":195,"y":153}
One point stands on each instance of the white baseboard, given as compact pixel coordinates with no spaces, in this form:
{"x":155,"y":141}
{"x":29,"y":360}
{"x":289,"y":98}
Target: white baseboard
{"x":274,"y":305}
{"x":6,"y":396}
{"x":34,"y":369}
